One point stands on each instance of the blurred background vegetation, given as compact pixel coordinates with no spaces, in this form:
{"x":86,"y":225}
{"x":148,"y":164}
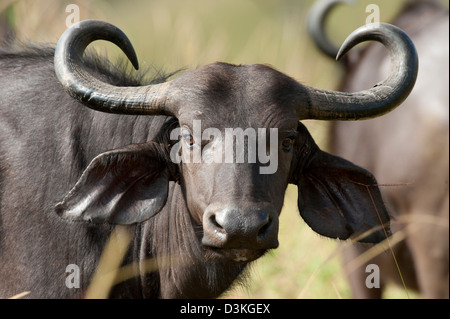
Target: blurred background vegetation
{"x":174,"y":34}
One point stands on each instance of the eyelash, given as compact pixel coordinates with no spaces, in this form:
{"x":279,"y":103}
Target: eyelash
{"x":287,"y":144}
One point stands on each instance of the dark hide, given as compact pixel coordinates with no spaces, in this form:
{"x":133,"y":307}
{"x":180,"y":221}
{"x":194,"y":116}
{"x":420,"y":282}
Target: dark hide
{"x":99,"y":169}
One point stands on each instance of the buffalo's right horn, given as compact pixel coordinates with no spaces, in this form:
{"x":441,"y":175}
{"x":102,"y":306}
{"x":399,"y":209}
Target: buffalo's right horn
{"x":138,"y":100}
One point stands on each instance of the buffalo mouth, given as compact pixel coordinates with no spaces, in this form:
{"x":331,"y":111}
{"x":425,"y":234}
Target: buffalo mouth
{"x":237,"y":255}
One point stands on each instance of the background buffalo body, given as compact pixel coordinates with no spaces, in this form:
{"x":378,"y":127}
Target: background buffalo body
{"x":408,"y":151}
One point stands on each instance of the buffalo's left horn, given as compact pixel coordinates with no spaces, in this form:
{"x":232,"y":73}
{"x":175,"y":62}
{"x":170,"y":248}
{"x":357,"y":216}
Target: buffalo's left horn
{"x":138,"y":100}
{"x":376,"y":101}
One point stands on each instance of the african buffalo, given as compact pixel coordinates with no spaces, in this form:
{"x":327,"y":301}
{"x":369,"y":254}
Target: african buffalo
{"x":407,"y":149}
{"x":69,"y":173}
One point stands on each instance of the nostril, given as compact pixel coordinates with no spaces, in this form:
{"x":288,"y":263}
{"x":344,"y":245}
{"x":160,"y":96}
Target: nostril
{"x":265,"y":226}
{"x":214,"y":222}
{"x":215,"y":234}
{"x":240,"y":228}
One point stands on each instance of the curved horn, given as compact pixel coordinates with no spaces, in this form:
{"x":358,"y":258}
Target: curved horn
{"x":140,"y":100}
{"x":315,"y":25}
{"x":384,"y":96}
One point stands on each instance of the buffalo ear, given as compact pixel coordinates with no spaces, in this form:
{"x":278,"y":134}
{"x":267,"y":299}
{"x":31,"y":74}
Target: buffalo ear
{"x":122,"y":186}
{"x":339,"y":199}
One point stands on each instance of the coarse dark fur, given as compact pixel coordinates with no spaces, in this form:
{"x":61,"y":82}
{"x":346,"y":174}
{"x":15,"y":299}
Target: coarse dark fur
{"x":120,"y":166}
{"x":211,"y":277}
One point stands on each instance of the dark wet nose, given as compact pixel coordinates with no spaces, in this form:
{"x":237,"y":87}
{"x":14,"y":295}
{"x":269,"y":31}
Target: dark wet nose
{"x":248,"y":228}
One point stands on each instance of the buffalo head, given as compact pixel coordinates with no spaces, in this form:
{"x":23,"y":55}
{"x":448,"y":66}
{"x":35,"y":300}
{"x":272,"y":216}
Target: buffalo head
{"x":234,"y":193}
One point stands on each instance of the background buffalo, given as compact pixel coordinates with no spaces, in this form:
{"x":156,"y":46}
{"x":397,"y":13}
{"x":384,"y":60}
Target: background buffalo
{"x":407,"y":150}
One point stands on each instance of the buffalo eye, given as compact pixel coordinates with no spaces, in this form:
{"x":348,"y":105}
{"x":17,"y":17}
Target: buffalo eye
{"x":287,"y":144}
{"x":187,"y":136}
{"x":189,"y":140}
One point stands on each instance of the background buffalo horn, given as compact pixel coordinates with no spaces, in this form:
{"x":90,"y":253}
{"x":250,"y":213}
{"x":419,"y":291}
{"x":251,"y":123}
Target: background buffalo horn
{"x":316,"y":25}
{"x":384,"y":96}
{"x":100,"y":96}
